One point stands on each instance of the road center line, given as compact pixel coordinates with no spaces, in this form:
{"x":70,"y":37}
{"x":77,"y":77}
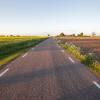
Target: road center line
{"x":4,"y":72}
{"x":71,"y":59}
{"x":97,"y":85}
{"x":24,"y":55}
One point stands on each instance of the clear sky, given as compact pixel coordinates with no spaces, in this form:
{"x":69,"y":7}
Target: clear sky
{"x":39,"y":17}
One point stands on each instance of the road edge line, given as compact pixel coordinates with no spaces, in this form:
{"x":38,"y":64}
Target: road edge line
{"x":96,"y":84}
{"x":1,"y":74}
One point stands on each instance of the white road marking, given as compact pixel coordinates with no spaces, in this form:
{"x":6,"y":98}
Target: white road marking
{"x":32,"y":48}
{"x":24,"y":55}
{"x":59,"y":47}
{"x":62,"y":50}
{"x":4,"y":72}
{"x":97,"y":85}
{"x":71,"y":59}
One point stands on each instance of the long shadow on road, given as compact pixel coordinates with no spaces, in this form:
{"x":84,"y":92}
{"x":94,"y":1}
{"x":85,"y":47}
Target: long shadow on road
{"x":26,"y":77}
{"x":84,"y":93}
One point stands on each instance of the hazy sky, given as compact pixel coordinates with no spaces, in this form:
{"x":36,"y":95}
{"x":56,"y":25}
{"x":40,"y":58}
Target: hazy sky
{"x":49,"y":16}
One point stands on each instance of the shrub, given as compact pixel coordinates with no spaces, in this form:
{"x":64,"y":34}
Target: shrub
{"x":88,"y":60}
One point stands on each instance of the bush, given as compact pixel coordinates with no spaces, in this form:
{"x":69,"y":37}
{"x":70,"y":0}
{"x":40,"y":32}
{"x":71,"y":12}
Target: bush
{"x":88,"y":60}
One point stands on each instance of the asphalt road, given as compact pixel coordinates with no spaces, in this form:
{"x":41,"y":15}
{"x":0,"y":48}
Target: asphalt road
{"x":46,"y":72}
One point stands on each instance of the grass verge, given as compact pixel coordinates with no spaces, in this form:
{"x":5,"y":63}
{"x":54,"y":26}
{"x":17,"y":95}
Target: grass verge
{"x":11,"y":51}
{"x":88,"y":60}
{"x":9,"y":58}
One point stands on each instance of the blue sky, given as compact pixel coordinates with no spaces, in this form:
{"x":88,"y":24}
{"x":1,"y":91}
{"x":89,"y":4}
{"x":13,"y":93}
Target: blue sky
{"x":39,"y":17}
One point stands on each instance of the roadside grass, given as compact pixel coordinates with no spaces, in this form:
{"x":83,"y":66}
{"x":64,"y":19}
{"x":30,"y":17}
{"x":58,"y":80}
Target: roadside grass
{"x":88,"y":59}
{"x":9,"y":58}
{"x":10,"y":50}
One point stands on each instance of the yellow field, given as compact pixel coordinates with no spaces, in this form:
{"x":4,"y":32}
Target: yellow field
{"x":13,"y":46}
{"x":9,"y":39}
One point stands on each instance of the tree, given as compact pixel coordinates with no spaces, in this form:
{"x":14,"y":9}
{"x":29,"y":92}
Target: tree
{"x":73,"y":35}
{"x":81,"y":34}
{"x":11,"y":35}
{"x":48,"y":35}
{"x":62,"y":34}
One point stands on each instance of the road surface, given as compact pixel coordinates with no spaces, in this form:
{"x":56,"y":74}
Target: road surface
{"x":47,"y":72}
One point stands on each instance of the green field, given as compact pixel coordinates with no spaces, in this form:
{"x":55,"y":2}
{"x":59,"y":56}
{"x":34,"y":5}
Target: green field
{"x":13,"y":46}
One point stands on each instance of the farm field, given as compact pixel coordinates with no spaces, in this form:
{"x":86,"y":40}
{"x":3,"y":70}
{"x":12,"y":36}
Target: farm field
{"x":13,"y":39}
{"x":12,"y":46}
{"x":86,"y":44}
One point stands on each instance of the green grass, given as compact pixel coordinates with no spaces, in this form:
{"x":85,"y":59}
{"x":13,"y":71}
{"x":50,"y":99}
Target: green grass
{"x":88,"y":59}
{"x":11,"y":47}
{"x":9,"y":58}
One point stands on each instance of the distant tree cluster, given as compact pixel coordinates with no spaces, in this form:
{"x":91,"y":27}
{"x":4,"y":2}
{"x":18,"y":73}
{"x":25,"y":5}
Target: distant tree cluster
{"x":62,"y":34}
{"x":78,"y":35}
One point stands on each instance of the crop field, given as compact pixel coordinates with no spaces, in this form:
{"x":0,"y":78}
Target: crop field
{"x":11,"y":46}
{"x":86,"y":44}
{"x":4,"y":40}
